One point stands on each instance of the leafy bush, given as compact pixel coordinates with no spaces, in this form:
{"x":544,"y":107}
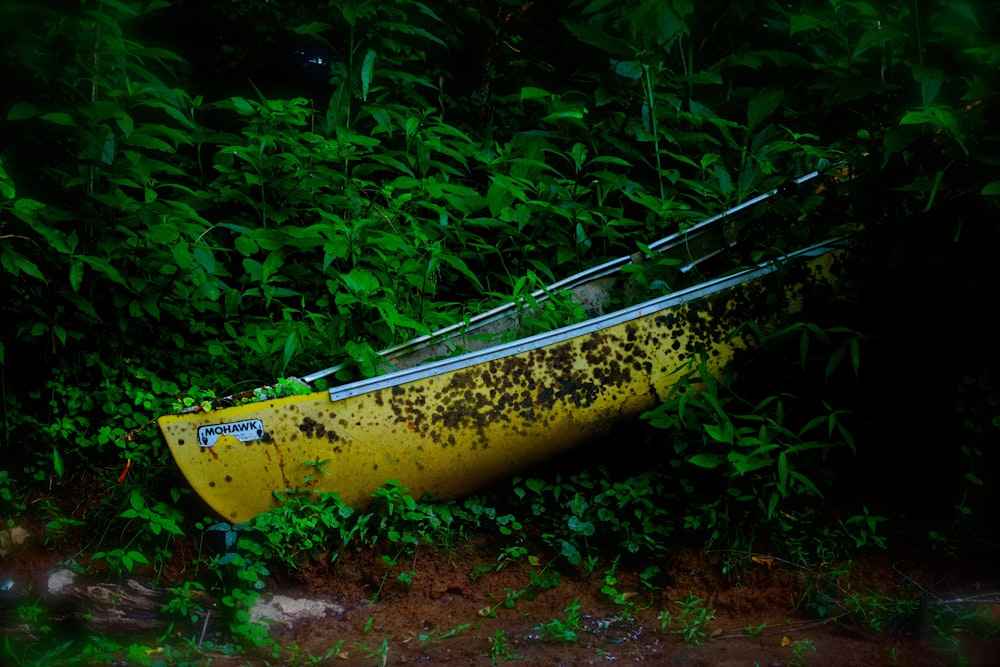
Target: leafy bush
{"x":169,"y":233}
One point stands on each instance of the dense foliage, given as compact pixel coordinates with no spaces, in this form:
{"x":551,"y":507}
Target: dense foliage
{"x":193,"y":198}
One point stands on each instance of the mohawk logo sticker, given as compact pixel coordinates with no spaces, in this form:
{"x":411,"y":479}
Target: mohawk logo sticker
{"x":244,"y":431}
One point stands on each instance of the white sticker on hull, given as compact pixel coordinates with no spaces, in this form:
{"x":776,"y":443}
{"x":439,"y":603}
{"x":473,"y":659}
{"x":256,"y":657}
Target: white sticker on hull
{"x":244,"y":431}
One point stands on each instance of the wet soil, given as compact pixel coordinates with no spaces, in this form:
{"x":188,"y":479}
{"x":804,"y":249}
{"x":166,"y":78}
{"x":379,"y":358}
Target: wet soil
{"x":447,"y":616}
{"x":460,"y":609}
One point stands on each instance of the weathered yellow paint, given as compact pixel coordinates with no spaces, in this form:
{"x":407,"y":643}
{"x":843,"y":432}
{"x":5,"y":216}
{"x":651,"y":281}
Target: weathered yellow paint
{"x":480,"y":419}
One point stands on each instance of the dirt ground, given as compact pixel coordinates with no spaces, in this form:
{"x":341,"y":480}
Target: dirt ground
{"x":460,"y":609}
{"x":444,"y":616}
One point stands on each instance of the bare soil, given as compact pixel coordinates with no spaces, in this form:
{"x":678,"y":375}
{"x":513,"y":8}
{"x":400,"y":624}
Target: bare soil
{"x":448,"y":616}
{"x":460,"y":609}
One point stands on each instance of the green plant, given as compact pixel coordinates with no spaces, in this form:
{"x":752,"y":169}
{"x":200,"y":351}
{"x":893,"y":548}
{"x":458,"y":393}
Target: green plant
{"x":242,"y":574}
{"x":951,"y":618}
{"x":294,"y":655}
{"x":633,"y":512}
{"x":34,"y":654}
{"x":380,"y":652}
{"x":562,"y":630}
{"x":185,"y":601}
{"x":163,"y":244}
{"x":318,"y":466}
{"x":121,"y":561}
{"x":9,"y":497}
{"x":500,"y":649}
{"x":880,"y":612}
{"x":35,"y":615}
{"x":455,"y":630}
{"x":757,"y":454}
{"x":799,"y":649}
{"x":610,"y":584}
{"x":537,"y":314}
{"x":691,"y":623}
{"x":306,"y":523}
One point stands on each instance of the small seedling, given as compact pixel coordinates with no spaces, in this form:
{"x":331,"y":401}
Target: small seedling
{"x":500,"y":648}
{"x":691,"y":622}
{"x":799,"y":648}
{"x":559,"y":630}
{"x":380,"y":652}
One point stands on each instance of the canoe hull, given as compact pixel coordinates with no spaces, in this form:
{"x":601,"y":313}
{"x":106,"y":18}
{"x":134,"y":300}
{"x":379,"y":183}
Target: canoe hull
{"x":452,"y":427}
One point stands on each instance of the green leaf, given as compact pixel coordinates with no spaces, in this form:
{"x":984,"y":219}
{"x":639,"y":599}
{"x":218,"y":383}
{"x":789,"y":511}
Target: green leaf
{"x":291,"y":347}
{"x":744,"y":463}
{"x":134,"y":557}
{"x":813,"y":423}
{"x":762,"y":105}
{"x":313,"y":28}
{"x":572,"y":114}
{"x":182,"y":256}
{"x":579,"y":526}
{"x":630,"y":69}
{"x":772,"y":504}
{"x":991,"y":189}
{"x":59,"y":118}
{"x":125,"y":123}
{"x":965,"y":10}
{"x":242,"y":106}
{"x":806,"y":482}
{"x":700,"y":110}
{"x":7,"y":189}
{"x":57,"y":462}
{"x":463,"y":268}
{"x":272,"y":264}
{"x":384,"y":121}
{"x":361,"y":282}
{"x":706,"y":460}
{"x":75,"y":274}
{"x":834,"y":361}
{"x":25,"y":209}
{"x":783,"y":473}
{"x":246,"y":245}
{"x":151,"y":307}
{"x":22,"y":110}
{"x":108,"y":151}
{"x":571,"y":552}
{"x":930,"y":80}
{"x":105,"y":267}
{"x":141,"y":140}
{"x":83,"y":305}
{"x":720,"y":434}
{"x":163,"y":234}
{"x":205,"y":258}
{"x":16,"y":264}
{"x":657,"y":22}
{"x":803,"y":22}
{"x":367,"y":71}
{"x":855,"y":346}
{"x":593,"y":35}
{"x":127,"y":10}
{"x":532,"y":93}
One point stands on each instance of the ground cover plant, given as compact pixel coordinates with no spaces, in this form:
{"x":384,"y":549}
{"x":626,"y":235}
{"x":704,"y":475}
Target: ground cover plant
{"x":196,"y":202}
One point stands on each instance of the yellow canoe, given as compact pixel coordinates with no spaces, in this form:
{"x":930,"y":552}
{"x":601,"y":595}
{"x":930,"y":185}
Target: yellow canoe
{"x":451,"y":426}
